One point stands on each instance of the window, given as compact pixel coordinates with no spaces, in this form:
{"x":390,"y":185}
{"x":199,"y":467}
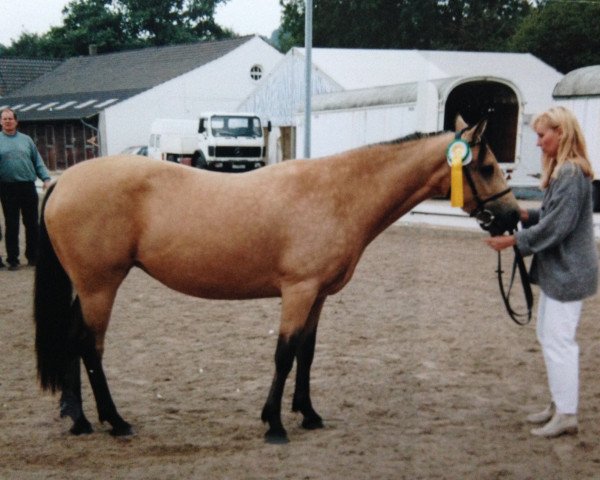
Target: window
{"x":48,"y":106}
{"x":256,"y":73}
{"x":66,"y":105}
{"x":31,"y":106}
{"x":87,"y":103}
{"x":106,"y":102}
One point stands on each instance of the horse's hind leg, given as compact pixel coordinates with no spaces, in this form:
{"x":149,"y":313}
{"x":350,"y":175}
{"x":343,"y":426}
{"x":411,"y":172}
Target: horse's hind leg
{"x":71,"y":404}
{"x":304,"y":356}
{"x":107,"y":411}
{"x":92,"y":343}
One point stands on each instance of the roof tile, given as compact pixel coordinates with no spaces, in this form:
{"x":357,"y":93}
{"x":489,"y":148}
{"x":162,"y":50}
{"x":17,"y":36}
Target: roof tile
{"x":16,"y":72}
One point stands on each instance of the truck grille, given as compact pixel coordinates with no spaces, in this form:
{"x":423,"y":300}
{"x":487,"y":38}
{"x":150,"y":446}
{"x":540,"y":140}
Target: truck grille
{"x":239,"y":152}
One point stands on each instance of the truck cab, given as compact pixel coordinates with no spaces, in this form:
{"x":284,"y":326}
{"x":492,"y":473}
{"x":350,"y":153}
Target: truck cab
{"x":230,"y":142}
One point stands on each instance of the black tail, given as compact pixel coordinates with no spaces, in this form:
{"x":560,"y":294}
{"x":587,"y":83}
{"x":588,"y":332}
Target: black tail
{"x":54,"y":329}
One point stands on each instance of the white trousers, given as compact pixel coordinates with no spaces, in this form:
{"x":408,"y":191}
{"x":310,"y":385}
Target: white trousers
{"x":556,"y":329}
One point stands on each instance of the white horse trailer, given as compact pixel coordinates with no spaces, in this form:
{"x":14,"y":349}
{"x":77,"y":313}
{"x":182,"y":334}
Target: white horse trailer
{"x":579,"y":91}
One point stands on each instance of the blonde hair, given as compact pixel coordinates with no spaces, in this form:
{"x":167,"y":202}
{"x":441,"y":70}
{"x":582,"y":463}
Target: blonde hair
{"x":571,"y":146}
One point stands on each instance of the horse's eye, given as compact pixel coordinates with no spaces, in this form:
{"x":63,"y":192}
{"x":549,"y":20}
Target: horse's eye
{"x":486,"y":170}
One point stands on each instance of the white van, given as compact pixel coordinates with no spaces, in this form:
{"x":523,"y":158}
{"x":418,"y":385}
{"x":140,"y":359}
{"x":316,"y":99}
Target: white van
{"x":174,"y":140}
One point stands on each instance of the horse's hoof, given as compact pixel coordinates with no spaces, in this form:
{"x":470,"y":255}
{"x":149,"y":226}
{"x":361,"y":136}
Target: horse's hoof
{"x":81,"y":427}
{"x":312,"y":423}
{"x":124,"y":430}
{"x":276,"y":437}
{"x":71,"y":409}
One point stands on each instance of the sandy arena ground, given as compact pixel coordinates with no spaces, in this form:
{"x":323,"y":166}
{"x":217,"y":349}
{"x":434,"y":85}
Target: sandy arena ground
{"x":418,"y":373}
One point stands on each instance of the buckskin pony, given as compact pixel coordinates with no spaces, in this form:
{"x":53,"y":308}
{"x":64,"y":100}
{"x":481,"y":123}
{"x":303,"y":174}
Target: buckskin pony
{"x":296,"y":230}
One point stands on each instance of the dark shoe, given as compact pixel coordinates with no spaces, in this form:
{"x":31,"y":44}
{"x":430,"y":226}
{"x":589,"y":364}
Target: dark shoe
{"x":2,"y":264}
{"x":13,"y":267}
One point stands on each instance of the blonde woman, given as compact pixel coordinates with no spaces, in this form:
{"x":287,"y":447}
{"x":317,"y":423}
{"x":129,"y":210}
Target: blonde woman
{"x":560,"y":237}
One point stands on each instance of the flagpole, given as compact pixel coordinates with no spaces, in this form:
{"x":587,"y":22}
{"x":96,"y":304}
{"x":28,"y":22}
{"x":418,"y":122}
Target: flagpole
{"x":308,"y":25}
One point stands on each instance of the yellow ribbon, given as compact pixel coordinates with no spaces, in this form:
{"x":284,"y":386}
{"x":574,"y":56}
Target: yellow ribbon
{"x":456,"y":180}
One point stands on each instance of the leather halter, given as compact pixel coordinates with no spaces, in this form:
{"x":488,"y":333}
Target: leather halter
{"x":483,"y":216}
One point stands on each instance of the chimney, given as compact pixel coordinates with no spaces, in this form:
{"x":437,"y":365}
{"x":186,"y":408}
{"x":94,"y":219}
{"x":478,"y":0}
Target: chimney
{"x":92,"y":49}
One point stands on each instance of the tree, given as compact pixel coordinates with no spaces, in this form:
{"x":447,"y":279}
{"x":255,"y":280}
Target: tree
{"x":480,"y":25}
{"x":90,"y":22}
{"x":361,"y":24}
{"x":424,"y":24}
{"x":114,"y":25}
{"x":174,"y":21}
{"x":376,"y":24}
{"x":564,"y":34}
{"x":291,"y":31}
{"x":29,"y":45}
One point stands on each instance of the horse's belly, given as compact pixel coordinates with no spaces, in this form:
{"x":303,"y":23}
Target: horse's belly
{"x":217,"y":284}
{"x":229,"y":292}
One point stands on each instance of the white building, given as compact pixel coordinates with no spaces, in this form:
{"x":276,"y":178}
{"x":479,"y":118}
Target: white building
{"x":579,"y":91}
{"x":367,"y":96}
{"x":100,"y":104}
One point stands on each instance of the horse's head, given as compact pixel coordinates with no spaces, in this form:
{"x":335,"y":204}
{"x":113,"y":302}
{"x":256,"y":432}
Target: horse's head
{"x":487,"y":196}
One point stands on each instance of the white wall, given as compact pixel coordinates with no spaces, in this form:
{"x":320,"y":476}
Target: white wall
{"x":219,"y":85}
{"x":340,"y":69}
{"x":281,"y":96}
{"x":340,"y":130}
{"x":587,"y":111}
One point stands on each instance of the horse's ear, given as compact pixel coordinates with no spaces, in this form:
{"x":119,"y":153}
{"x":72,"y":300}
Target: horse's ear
{"x":479,"y":129}
{"x":459,"y":123}
{"x":474,"y":134}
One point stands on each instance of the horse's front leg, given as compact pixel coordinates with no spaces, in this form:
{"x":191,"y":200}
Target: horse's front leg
{"x":71,"y":404}
{"x":296,"y":305}
{"x":304,"y":355}
{"x":271,"y":413}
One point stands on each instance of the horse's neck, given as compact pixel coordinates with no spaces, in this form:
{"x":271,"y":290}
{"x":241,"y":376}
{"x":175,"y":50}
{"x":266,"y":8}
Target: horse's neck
{"x":391,"y":179}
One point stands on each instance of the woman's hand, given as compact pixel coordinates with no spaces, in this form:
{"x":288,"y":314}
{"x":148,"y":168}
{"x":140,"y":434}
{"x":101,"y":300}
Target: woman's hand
{"x":524,"y":215}
{"x":501,"y":242}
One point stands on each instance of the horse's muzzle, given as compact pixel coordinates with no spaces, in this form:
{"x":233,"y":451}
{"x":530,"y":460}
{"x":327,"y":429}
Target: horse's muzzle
{"x":497,"y":223}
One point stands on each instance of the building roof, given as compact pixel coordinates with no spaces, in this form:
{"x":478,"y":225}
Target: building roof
{"x":367,"y":97}
{"x":582,"y":82}
{"x":16,"y":72}
{"x":83,"y":86}
{"x":358,"y":78}
{"x":365,"y":68}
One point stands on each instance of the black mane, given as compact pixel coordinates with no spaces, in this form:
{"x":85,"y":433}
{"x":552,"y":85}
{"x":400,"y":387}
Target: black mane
{"x":410,"y":137}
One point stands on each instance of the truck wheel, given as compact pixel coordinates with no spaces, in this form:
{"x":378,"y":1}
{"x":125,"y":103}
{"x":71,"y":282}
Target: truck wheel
{"x":199,"y":161}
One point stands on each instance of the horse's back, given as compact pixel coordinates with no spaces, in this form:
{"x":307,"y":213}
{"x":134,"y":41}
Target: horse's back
{"x":203,"y":233}
{"x":196,"y":231}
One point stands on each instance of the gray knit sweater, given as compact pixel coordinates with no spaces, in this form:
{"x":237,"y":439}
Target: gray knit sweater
{"x":560,"y":235}
{"x":20,"y":160}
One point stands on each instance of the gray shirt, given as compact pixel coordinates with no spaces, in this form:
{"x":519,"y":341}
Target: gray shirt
{"x":560,"y":235}
{"x":20,"y":160}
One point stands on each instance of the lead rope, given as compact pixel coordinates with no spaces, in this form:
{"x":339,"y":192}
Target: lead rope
{"x":519,"y":318}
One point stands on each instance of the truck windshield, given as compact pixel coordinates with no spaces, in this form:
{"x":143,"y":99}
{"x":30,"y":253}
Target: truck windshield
{"x":229,"y":126}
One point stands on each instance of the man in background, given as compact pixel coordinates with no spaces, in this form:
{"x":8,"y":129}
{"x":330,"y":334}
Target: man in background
{"x":20,"y":165}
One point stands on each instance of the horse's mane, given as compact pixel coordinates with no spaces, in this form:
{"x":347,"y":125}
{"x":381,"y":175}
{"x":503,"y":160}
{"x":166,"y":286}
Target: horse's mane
{"x":410,"y":137}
